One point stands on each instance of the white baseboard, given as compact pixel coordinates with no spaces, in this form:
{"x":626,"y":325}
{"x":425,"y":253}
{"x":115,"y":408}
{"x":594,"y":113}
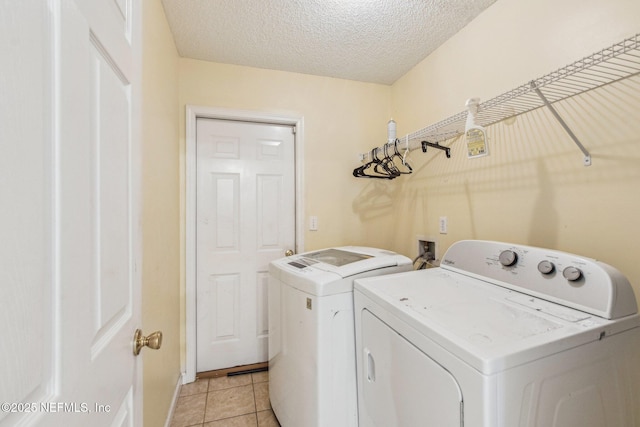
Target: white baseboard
{"x":174,"y":401}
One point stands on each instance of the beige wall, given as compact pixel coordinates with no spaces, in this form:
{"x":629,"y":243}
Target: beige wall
{"x":532,"y":189}
{"x":160,"y":213}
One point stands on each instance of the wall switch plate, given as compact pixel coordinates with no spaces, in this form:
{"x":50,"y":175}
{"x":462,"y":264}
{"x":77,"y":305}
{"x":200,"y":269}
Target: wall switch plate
{"x":443,"y":225}
{"x":313,"y":223}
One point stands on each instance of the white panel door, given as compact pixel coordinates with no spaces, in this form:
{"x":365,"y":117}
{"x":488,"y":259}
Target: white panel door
{"x":68,"y":276}
{"x":245,"y":219}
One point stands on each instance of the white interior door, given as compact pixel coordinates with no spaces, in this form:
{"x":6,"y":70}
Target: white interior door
{"x":245,"y":218}
{"x":69,"y":282}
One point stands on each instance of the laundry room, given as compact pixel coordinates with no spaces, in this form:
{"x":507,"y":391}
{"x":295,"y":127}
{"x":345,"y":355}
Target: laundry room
{"x":192,"y":188}
{"x":532,"y":188}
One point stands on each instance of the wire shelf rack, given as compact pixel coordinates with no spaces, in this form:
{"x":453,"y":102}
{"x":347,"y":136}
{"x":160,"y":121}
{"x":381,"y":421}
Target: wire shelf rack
{"x":614,"y":63}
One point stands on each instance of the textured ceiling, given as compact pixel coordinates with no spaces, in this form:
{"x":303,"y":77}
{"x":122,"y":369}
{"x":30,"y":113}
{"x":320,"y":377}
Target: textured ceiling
{"x":366,"y":40}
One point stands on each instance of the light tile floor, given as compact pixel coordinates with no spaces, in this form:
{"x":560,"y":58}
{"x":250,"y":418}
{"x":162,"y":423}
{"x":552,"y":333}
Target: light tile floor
{"x":236,"y":401}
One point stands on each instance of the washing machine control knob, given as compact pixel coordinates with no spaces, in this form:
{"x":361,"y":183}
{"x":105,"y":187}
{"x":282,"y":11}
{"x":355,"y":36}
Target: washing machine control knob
{"x":546,"y":267}
{"x":508,"y":258}
{"x":572,"y":273}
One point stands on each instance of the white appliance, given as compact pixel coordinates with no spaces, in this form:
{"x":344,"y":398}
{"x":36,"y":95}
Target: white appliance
{"x":312,"y":379}
{"x":500,"y":335}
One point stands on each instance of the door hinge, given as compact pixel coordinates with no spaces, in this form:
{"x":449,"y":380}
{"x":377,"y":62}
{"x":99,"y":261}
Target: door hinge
{"x":293,"y":130}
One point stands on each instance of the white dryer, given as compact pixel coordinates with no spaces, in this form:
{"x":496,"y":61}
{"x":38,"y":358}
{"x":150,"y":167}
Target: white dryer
{"x":500,"y":335}
{"x":312,"y":379}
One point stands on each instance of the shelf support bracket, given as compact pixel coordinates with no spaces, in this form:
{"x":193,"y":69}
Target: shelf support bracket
{"x":587,"y":156}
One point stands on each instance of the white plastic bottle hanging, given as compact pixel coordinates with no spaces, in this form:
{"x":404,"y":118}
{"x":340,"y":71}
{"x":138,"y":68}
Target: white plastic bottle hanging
{"x":475,"y":134}
{"x":391,"y":131}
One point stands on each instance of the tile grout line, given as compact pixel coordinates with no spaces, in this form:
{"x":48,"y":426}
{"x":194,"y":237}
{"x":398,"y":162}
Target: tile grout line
{"x":255,"y":403}
{"x":206,"y":401}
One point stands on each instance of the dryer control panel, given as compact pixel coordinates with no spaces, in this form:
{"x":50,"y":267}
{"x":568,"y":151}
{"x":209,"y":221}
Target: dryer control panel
{"x":574,"y":281}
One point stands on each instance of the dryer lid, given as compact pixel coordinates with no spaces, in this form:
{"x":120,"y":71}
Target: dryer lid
{"x":489,"y":327}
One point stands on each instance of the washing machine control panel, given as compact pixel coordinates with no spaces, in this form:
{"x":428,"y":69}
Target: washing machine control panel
{"x":568,"y":279}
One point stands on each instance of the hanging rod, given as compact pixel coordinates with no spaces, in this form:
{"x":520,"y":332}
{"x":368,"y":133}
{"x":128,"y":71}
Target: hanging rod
{"x":614,"y":63}
{"x":405,"y":144}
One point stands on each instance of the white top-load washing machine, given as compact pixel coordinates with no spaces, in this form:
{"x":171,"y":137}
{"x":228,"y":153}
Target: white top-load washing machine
{"x":312,"y":379}
{"x":500,"y":335}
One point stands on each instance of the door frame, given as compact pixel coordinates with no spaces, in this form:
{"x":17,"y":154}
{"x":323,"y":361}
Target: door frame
{"x":194,"y":112}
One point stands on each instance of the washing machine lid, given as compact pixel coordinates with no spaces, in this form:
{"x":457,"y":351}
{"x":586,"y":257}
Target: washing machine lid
{"x":347,"y":261}
{"x":489,"y":327}
{"x":331,"y":271}
{"x":336,"y":257}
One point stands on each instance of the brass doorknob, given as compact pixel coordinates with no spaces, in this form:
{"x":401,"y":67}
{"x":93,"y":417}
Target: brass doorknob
{"x":153,"y":341}
{"x":289,"y":252}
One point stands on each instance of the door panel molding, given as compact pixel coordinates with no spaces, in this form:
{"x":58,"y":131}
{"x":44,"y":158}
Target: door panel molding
{"x":192,"y":114}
